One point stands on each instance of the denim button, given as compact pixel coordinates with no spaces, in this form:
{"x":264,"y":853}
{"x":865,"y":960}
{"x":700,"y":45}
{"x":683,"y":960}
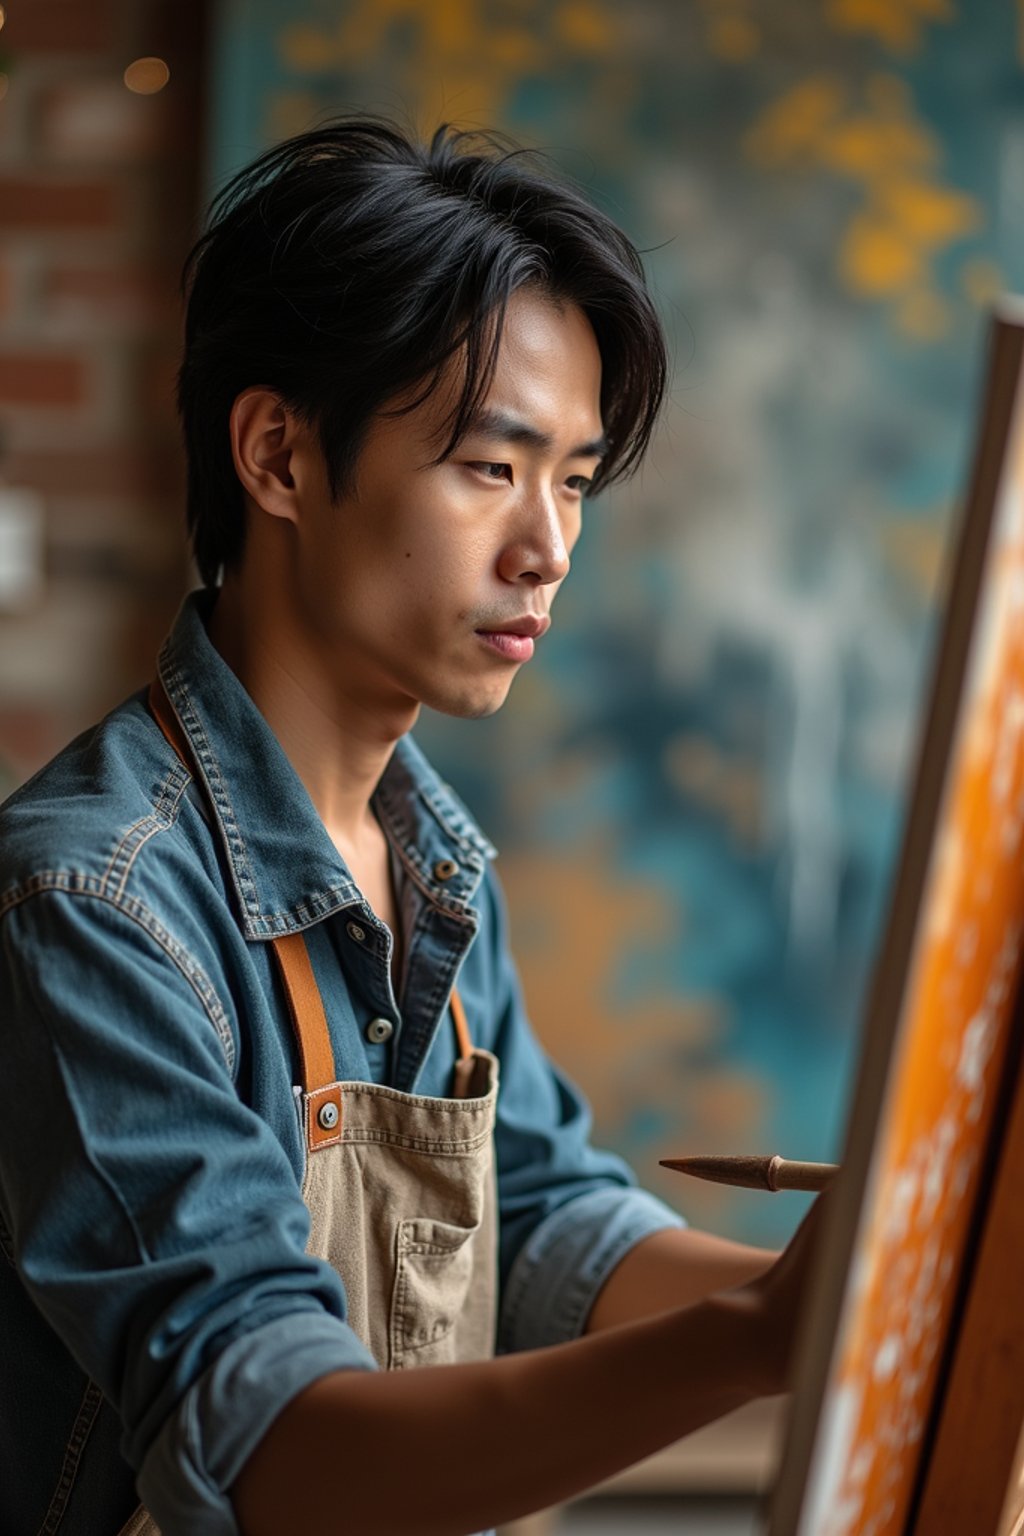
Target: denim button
{"x":327,"y":1118}
{"x":445,"y":868}
{"x":355,"y":932}
{"x":379,"y":1030}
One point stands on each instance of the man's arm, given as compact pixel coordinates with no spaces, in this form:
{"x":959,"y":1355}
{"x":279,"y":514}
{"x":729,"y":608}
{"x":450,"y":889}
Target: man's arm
{"x":491,"y":1441}
{"x":673,"y":1268}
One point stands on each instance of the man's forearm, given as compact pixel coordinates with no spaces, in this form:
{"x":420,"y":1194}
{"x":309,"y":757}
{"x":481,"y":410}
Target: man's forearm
{"x":673,"y":1268}
{"x":448,"y":1450}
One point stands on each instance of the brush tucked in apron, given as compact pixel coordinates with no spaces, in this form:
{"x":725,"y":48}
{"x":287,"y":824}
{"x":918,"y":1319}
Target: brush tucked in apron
{"x":400,"y":1188}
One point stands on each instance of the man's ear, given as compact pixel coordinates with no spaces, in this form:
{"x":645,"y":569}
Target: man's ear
{"x":266,"y":442}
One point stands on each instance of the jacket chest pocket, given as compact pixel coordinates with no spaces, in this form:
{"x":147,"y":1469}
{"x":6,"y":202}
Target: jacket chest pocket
{"x":433,"y":1273}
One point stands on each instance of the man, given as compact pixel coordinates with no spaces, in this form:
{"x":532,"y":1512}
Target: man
{"x":254,"y":1160}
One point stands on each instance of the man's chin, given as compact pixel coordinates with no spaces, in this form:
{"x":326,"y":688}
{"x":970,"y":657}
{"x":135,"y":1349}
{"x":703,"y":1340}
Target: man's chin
{"x":472,"y":704}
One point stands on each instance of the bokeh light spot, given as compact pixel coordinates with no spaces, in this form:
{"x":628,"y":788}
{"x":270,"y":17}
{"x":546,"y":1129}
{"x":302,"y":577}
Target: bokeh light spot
{"x":146,"y":76}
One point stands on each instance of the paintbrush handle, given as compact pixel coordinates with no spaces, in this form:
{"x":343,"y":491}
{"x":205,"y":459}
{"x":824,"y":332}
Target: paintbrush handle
{"x":757,"y":1172}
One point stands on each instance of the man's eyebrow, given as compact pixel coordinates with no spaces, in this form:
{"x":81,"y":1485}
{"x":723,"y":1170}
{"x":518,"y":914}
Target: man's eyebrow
{"x":502,"y":427}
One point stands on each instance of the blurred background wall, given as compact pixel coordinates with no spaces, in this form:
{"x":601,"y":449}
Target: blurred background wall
{"x":99,"y":181}
{"x":697,"y":785}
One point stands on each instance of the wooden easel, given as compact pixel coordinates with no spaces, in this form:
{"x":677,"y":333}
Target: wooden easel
{"x":909,"y":1399}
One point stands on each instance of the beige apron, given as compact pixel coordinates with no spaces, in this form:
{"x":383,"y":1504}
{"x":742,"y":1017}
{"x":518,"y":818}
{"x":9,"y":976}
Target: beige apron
{"x":400,"y":1188}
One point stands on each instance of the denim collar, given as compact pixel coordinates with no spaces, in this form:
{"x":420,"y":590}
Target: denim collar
{"x":286,"y":871}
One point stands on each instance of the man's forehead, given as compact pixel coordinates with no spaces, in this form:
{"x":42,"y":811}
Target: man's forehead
{"x":499,"y":424}
{"x":547,"y":376}
{"x":543,"y":390}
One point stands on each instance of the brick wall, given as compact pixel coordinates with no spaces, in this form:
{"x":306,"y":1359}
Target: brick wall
{"x":98,"y":203}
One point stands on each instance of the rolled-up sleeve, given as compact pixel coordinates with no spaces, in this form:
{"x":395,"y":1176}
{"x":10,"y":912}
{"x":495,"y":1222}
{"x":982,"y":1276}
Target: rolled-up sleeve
{"x":212,"y":1432}
{"x":569,"y":1212}
{"x":566,"y":1260}
{"x":157,"y":1223}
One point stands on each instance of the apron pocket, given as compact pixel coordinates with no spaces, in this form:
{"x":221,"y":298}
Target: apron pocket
{"x":432,"y":1275}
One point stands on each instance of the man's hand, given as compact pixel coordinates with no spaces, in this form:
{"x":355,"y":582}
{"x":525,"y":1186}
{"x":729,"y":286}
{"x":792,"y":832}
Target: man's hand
{"x":679,"y":1267}
{"x":781,"y":1294}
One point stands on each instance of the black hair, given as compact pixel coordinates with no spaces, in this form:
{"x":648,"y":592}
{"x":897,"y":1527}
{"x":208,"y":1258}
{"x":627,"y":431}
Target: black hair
{"x":344,"y":267}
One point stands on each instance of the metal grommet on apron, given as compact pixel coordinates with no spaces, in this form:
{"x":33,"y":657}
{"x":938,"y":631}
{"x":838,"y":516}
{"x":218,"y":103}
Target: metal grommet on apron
{"x":400,"y":1187}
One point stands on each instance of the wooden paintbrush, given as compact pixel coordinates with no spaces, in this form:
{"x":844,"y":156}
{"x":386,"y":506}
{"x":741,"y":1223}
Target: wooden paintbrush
{"x":772,"y":1173}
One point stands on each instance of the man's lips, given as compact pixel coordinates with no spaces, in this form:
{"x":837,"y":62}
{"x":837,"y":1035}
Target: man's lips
{"x":532,"y":624}
{"x":514,"y":639}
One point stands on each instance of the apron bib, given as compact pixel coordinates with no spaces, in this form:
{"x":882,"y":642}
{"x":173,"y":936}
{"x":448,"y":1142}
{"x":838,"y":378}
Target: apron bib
{"x":400,"y":1188}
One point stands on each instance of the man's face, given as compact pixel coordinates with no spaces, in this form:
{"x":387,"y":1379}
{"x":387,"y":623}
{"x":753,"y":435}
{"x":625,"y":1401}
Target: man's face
{"x":428,"y":582}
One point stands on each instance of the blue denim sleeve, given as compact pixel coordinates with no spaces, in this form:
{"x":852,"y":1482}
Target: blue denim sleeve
{"x":569,"y":1212}
{"x":156,"y":1221}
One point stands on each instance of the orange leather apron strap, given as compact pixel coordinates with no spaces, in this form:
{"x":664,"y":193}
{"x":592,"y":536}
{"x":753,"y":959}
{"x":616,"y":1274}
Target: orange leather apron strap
{"x":461,"y":1027}
{"x":464,"y":1078}
{"x":322,"y":1098}
{"x":307,"y":1010}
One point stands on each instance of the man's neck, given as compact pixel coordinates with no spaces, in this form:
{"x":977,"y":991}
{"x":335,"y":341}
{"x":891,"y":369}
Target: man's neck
{"x":337,"y":742}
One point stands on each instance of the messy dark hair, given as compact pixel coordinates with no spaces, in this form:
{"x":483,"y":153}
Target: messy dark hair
{"x":343,"y":269}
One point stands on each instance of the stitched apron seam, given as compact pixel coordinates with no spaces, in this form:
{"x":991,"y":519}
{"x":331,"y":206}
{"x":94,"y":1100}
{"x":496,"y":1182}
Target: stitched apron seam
{"x":80,"y":1431}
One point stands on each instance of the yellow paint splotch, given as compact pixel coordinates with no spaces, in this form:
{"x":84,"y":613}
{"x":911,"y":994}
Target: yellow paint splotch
{"x":518,"y":50}
{"x":907,"y":216}
{"x":876,"y":259}
{"x":734,"y":39}
{"x":866,"y":147}
{"x":932,"y":215}
{"x":897,"y":24}
{"x":461,"y":58}
{"x":573,"y":919}
{"x":307,"y":49}
{"x":792,"y":127}
{"x":586,"y":26}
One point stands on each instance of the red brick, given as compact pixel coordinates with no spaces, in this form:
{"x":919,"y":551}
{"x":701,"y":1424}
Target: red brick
{"x":49,"y":205}
{"x":41,"y":379}
{"x":99,"y":121}
{"x":120,"y":296}
{"x":120,"y":469}
{"x":59,"y":26}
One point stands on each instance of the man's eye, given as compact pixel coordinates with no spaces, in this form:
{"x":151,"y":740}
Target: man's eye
{"x":493,"y":471}
{"x":579,"y":483}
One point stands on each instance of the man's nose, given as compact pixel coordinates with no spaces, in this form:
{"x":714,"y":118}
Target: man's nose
{"x":538,"y":548}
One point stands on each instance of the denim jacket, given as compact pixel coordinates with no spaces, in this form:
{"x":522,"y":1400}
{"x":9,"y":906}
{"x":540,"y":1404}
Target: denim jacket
{"x":157,"y":1304}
